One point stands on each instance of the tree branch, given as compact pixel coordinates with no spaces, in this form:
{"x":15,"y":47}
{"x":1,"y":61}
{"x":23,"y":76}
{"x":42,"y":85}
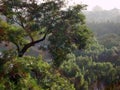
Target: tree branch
{"x":21,"y":53}
{"x":17,"y":46}
{"x":20,"y":22}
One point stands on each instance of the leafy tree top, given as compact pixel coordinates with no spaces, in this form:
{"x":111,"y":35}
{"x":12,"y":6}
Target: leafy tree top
{"x":35,"y":21}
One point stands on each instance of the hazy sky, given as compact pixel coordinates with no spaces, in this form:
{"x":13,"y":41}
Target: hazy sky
{"x":105,"y":4}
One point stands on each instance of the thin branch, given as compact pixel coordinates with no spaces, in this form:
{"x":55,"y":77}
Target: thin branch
{"x":31,"y":44}
{"x":17,"y":46}
{"x":20,"y":21}
{"x":15,"y":20}
{"x":25,"y":28}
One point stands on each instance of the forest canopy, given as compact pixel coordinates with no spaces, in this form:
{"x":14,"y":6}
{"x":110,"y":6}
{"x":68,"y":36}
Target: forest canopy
{"x":79,"y":61}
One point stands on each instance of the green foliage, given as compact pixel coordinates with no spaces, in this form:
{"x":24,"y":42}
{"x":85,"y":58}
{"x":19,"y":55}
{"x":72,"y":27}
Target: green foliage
{"x":36,"y":20}
{"x":84,"y":72}
{"x":13,"y":34}
{"x":93,"y":51}
{"x":28,"y":23}
{"x":72,"y":34}
{"x":79,"y":61}
{"x":69,"y":68}
{"x":30,"y":73}
{"x":110,"y":40}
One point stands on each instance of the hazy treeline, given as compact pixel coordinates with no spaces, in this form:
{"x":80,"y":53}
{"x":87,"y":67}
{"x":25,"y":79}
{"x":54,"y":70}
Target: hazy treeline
{"x":80,"y":60}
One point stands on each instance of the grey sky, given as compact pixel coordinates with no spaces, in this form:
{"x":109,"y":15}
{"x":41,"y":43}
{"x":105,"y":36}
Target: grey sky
{"x":105,"y":4}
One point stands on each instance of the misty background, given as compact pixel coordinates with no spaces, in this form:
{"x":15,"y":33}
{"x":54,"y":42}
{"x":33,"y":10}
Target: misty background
{"x":105,"y":25}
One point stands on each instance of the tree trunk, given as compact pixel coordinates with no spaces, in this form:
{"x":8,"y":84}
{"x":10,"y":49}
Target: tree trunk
{"x":20,"y":54}
{"x":27,"y":46}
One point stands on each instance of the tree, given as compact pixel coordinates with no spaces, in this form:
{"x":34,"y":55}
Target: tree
{"x":30,"y":73}
{"x":35,"y":21}
{"x":73,"y":34}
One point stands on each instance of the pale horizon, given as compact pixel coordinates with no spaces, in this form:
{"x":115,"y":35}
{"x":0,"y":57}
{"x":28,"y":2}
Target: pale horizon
{"x":104,"y":4}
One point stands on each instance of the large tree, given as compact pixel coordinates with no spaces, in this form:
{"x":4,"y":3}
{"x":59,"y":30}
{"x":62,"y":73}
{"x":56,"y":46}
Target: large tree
{"x":29,"y":22}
